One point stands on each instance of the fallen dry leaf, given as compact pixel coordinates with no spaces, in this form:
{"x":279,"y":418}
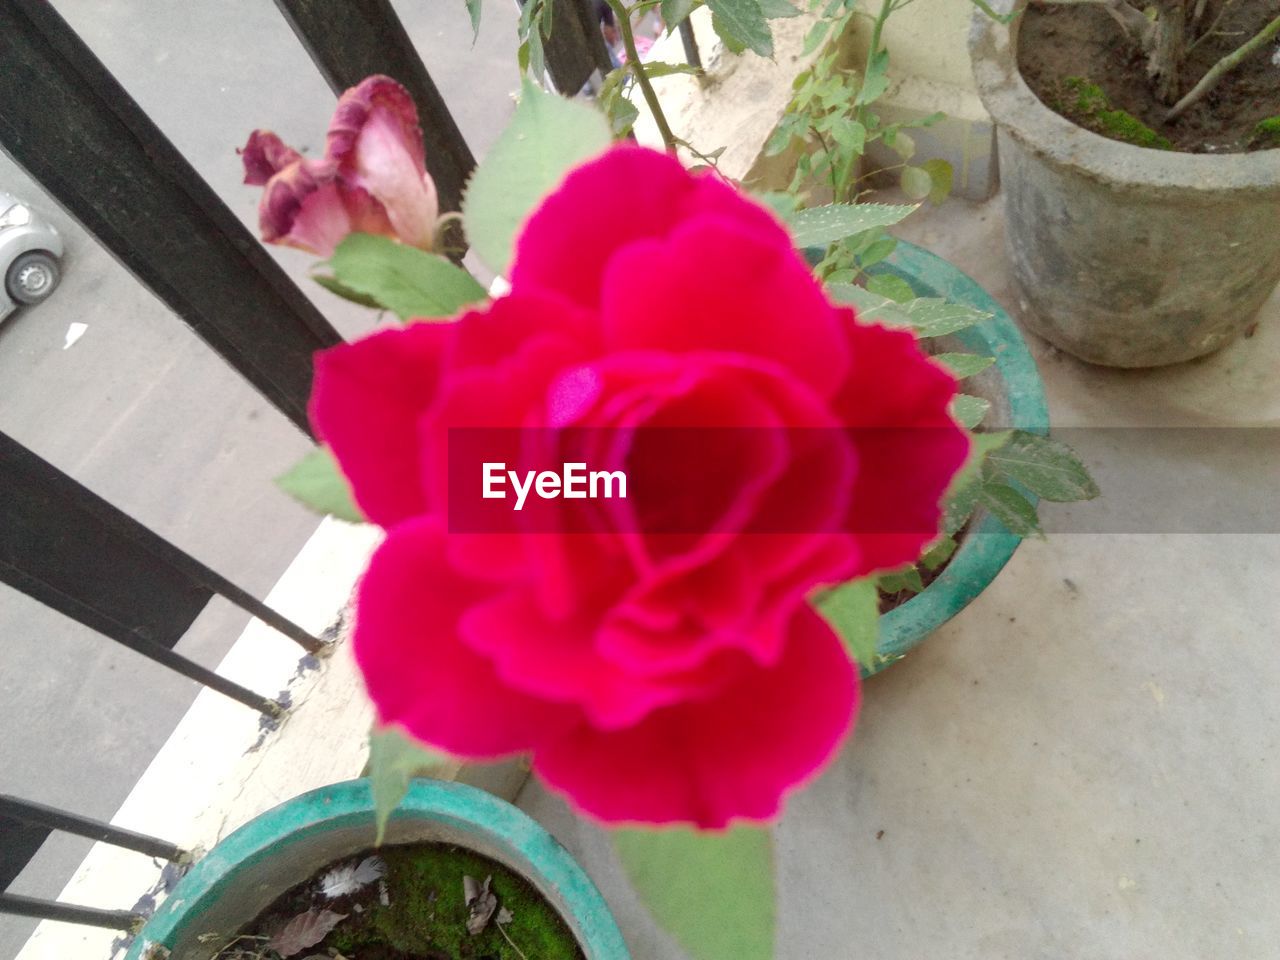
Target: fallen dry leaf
{"x":305,"y":930}
{"x":482,"y":901}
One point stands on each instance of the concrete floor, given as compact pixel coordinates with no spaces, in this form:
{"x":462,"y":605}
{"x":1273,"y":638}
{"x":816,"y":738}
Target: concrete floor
{"x":142,"y":412}
{"x":1086,"y":761}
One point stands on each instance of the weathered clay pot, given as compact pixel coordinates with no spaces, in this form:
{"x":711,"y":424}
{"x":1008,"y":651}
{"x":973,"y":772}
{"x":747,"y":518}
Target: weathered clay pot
{"x":1123,"y":255}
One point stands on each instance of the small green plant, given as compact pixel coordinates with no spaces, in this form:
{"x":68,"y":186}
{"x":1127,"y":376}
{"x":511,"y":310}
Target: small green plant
{"x":1088,"y":105}
{"x":1267,"y":131}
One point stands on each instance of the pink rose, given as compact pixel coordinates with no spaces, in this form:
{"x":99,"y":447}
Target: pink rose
{"x":371,"y":179}
{"x":657,"y":655}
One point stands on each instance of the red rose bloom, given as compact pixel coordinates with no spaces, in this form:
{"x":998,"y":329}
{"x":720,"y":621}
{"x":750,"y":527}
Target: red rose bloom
{"x":661,"y":660}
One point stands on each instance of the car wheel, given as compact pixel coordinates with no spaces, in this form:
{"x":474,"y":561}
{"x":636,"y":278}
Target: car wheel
{"x":32,"y":277}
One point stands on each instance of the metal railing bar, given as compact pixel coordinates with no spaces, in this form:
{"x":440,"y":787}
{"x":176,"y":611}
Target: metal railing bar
{"x":123,"y":635}
{"x":690,"y":42}
{"x":71,"y":125}
{"x":18,"y":905}
{"x":39,"y":814}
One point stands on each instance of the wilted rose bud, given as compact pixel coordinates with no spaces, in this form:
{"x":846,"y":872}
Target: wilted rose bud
{"x":371,"y":179}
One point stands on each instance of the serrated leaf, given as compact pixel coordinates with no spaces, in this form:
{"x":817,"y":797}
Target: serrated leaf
{"x":941,"y":176}
{"x":849,"y":134}
{"x":870,"y":306}
{"x":408,"y":281}
{"x":853,"y":611}
{"x":891,"y":287}
{"x":939,"y":553}
{"x":780,"y":202}
{"x":966,"y":486}
{"x":394,"y":760}
{"x":742,"y":26}
{"x":1047,"y":467}
{"x":876,"y":251}
{"x":964,"y":364}
{"x":817,"y":33}
{"x":305,"y":930}
{"x":316,"y":482}
{"x":969,"y":410}
{"x":934,"y":317}
{"x":711,"y":890}
{"x":1011,"y":508}
{"x":674,"y":12}
{"x":819,"y":226}
{"x":547,"y":136}
{"x":915,"y":182}
{"x":876,"y":79}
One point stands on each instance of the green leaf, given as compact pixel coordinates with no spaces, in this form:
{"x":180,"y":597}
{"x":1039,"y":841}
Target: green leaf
{"x":813,"y":39}
{"x":969,"y":410}
{"x":394,"y":760}
{"x":778,"y":9}
{"x":713,"y":891}
{"x":891,"y":287}
{"x":819,"y":226}
{"x":316,"y":482}
{"x":742,"y":26}
{"x":877,"y":250}
{"x":869,"y":305}
{"x":853,"y":610}
{"x":1048,"y":468}
{"x":780,"y":202}
{"x":674,"y":12}
{"x":404,"y":279}
{"x":1011,"y":508}
{"x":473,"y":8}
{"x":908,"y":578}
{"x":875,"y":81}
{"x":346,"y":293}
{"x":964,"y":364}
{"x":850,"y":134}
{"x":939,"y":553}
{"x":966,"y":487}
{"x":1004,"y":18}
{"x":941,"y":176}
{"x":916,"y":182}
{"x":903,"y":144}
{"x":934,"y":317}
{"x":547,"y":136}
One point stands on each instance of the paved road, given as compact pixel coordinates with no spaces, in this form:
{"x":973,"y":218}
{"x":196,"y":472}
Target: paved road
{"x":144,"y":414}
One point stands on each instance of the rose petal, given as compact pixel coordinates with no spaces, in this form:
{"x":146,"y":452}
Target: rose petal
{"x":366,"y":404}
{"x":733,"y":756}
{"x":715,"y":285}
{"x":909,"y":447}
{"x":626,"y":194}
{"x":418,"y":673}
{"x":376,"y":143}
{"x":265,"y":155}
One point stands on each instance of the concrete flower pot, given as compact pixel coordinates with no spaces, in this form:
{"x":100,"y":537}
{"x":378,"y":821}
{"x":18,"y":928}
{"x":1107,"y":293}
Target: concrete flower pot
{"x":1125,"y":256}
{"x":248,"y":870}
{"x":1016,"y":392}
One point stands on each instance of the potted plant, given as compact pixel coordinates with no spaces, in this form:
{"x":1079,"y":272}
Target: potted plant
{"x":319,"y":847}
{"x":1141,"y":223}
{"x":662,"y":326}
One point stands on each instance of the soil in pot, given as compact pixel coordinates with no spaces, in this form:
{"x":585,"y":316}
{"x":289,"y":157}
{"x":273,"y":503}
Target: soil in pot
{"x":1079,"y":63}
{"x":411,"y":902}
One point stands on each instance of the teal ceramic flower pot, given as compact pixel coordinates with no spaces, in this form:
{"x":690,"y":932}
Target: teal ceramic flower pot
{"x":248,"y":870}
{"x":1016,"y":392}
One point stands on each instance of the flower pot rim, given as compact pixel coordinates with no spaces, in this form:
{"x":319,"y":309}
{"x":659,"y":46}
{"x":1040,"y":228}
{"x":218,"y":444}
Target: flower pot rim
{"x":339,"y":805}
{"x":1015,"y":108}
{"x":987,"y":547}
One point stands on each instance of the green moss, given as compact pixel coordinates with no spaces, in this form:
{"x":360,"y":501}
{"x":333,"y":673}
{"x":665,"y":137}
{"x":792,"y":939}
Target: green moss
{"x":427,"y":911}
{"x":1088,"y":105}
{"x":1268,"y":131}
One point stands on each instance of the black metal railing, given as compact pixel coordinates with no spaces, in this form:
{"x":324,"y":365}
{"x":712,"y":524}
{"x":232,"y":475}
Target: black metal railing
{"x":71,"y":125}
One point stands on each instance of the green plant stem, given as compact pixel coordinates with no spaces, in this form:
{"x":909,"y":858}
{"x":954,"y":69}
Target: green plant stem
{"x":1224,"y":66}
{"x":637,"y":69}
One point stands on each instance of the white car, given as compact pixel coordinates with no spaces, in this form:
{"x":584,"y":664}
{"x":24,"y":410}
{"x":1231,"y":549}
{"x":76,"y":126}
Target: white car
{"x":30,"y":251}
